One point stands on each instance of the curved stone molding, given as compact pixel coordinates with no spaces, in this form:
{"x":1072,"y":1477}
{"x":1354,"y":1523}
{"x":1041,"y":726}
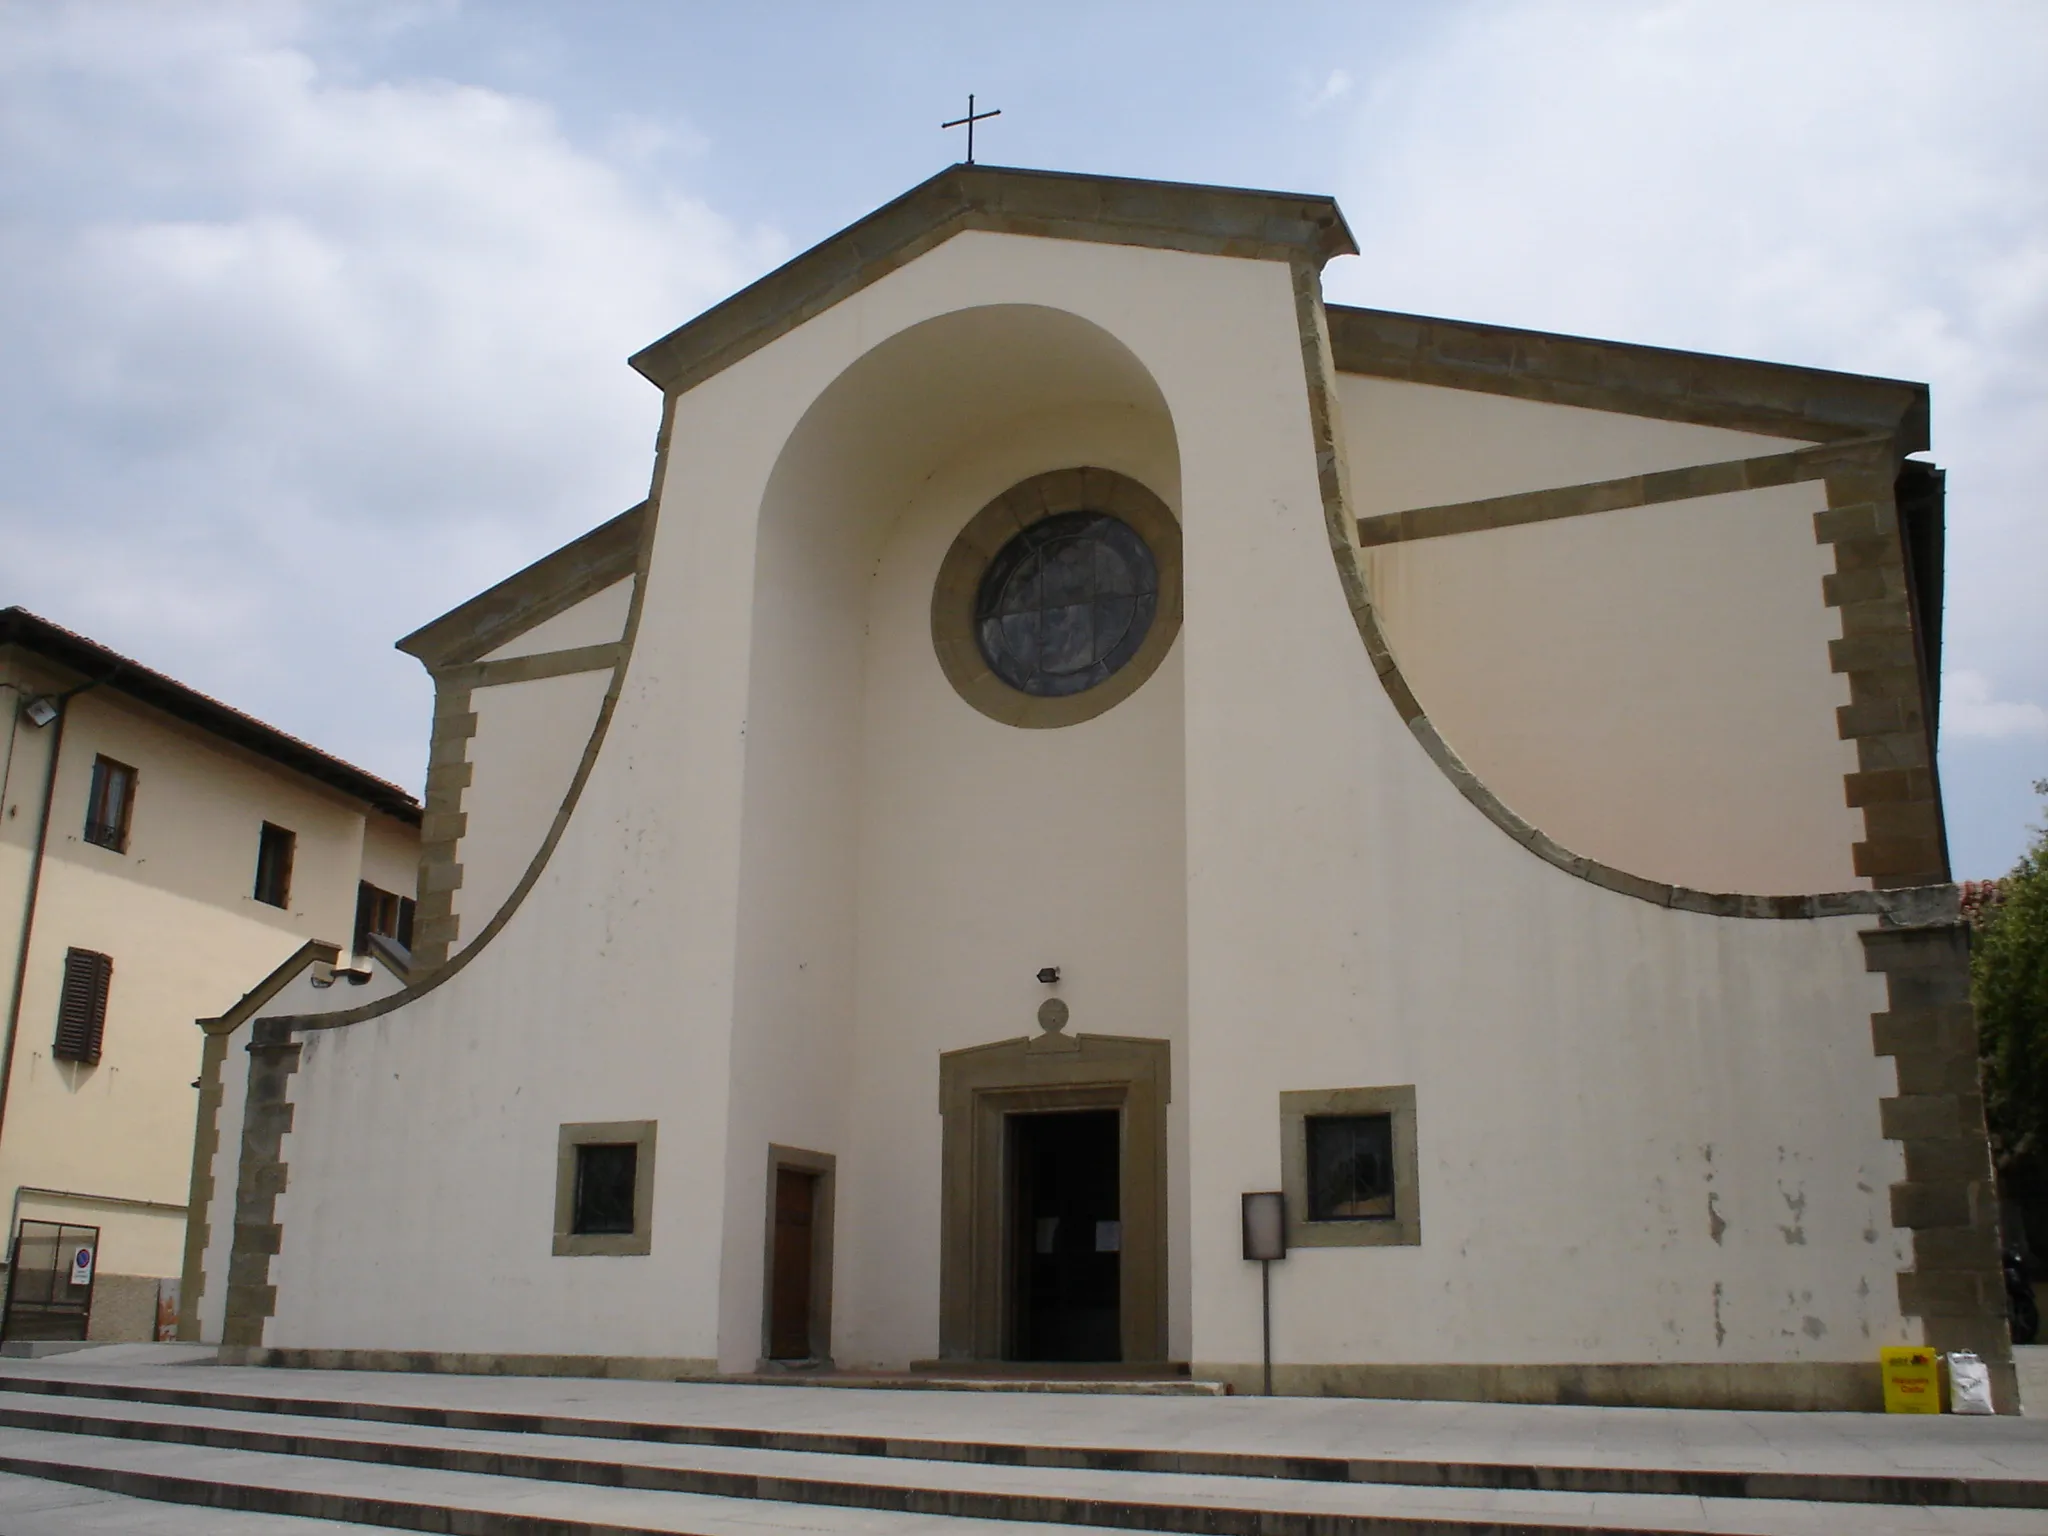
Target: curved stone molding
{"x":989,"y":530}
{"x":282,"y":1028}
{"x":274,"y":1045}
{"x":1907,"y":906}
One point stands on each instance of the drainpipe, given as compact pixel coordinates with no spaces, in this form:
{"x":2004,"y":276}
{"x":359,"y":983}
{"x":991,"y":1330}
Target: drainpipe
{"x":13,"y":730}
{"x":35,"y":885}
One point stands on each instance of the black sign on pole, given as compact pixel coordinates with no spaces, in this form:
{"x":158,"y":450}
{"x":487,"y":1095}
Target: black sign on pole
{"x":1264,"y":1215}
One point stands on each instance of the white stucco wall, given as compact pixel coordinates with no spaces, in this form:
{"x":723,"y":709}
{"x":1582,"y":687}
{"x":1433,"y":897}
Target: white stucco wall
{"x":529,"y":739}
{"x":1350,"y":920}
{"x":598,"y":620}
{"x":313,"y":990}
{"x":1650,"y":686}
{"x":1421,"y":445}
{"x":1353,"y":921}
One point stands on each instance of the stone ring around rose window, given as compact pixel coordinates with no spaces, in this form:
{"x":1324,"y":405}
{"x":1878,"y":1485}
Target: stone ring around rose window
{"x":1059,"y":598}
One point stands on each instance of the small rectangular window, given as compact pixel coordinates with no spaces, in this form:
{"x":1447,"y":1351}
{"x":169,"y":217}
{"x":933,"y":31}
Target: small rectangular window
{"x":381,"y":912}
{"x":82,"y":1006}
{"x":110,"y":804}
{"x":604,"y":1187}
{"x":274,"y":865}
{"x":1351,"y":1168}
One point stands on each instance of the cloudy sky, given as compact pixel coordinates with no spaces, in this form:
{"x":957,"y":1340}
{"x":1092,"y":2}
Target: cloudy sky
{"x":313,"y":318}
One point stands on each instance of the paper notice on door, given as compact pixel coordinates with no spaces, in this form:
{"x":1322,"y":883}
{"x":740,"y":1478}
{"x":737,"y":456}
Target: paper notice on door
{"x":1109,"y":1237}
{"x":1048,"y":1233}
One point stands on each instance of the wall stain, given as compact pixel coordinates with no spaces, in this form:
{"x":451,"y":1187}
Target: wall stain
{"x":1720,"y":1329}
{"x":1795,"y":1202}
{"x":1715,"y":1225}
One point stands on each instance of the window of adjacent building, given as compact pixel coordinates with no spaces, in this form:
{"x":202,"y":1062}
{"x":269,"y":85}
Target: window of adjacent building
{"x":382,"y":912}
{"x":1350,"y":1167}
{"x":605,"y":1175}
{"x":82,"y":1006}
{"x":110,"y":804}
{"x":274,"y":865}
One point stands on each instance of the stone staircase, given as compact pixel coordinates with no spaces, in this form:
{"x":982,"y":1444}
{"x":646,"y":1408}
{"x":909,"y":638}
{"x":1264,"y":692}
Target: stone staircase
{"x":239,"y":1452}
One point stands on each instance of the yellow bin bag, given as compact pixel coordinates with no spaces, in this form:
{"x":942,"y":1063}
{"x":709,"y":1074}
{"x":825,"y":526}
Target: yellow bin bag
{"x":1912,"y":1380}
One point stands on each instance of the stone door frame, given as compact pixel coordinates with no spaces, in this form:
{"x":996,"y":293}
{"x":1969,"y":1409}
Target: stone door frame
{"x":978,"y":1089}
{"x":825,"y":1168}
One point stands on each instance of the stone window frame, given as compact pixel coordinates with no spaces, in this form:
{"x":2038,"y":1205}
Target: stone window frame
{"x":572,"y":1244}
{"x":954,"y":637}
{"x":1297,"y":1108}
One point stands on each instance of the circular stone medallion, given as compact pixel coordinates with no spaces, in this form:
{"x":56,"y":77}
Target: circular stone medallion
{"x":1066,"y":603}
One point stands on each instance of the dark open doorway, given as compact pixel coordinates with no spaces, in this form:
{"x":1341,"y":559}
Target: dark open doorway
{"x":796,"y":1272}
{"x":789,"y":1286}
{"x":1066,"y":1235}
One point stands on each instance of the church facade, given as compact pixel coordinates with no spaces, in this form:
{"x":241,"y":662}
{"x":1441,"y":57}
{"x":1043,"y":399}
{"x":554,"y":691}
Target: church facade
{"x":1082,"y":730}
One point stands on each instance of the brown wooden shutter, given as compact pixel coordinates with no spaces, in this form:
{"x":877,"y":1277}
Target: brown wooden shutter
{"x":82,"y":1007}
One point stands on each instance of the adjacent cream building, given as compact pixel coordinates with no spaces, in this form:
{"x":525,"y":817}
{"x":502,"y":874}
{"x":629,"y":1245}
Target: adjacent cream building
{"x":158,"y":851}
{"x":1082,"y":730}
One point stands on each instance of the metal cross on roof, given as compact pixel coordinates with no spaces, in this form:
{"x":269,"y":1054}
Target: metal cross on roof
{"x":970,"y":120}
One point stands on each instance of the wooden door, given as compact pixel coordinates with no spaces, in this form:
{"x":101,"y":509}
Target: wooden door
{"x":789,"y":1287}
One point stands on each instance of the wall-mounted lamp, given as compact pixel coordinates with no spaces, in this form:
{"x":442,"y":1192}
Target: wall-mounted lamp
{"x":1265,"y":1238}
{"x":1049,"y":974}
{"x":39,"y":712}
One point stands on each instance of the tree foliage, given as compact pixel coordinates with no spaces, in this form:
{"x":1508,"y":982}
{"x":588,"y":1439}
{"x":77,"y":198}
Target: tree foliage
{"x":2009,"y":983}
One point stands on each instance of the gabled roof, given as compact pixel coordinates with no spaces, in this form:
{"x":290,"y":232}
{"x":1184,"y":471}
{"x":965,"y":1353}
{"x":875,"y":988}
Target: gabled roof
{"x":1166,"y":215}
{"x":1777,"y":399}
{"x":91,"y":660}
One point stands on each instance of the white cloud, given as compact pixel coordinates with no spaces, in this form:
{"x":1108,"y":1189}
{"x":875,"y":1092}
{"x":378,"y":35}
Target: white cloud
{"x":1335,"y":87}
{"x":1848,"y":184}
{"x":1969,"y":709}
{"x":293,"y":364}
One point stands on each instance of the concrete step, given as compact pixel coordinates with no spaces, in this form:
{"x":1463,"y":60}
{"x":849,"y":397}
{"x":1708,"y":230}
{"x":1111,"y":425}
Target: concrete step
{"x":1552,"y":1475}
{"x":35,"y":1506}
{"x":195,"y":1494}
{"x":441,"y":1478}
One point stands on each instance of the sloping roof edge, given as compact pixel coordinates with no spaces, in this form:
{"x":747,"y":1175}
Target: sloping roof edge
{"x":92,"y":660}
{"x":250,"y":1002}
{"x":557,"y":581}
{"x":1778,"y":399}
{"x":1215,"y":221}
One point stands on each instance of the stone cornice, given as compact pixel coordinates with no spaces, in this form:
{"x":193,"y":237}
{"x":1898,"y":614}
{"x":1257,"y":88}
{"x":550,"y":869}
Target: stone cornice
{"x":1163,"y":215}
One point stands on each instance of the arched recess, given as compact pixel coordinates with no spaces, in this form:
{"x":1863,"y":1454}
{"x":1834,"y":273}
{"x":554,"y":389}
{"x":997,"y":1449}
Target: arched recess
{"x":873,"y":792}
{"x":1020,"y":389}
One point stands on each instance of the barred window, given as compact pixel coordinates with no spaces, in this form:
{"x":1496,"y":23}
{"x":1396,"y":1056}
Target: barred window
{"x":110,"y":804}
{"x":1351,"y":1168}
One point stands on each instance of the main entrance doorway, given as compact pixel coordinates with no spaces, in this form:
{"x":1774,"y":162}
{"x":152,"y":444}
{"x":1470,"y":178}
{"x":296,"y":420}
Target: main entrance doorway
{"x":1066,"y":1237}
{"x":1052,"y":1224}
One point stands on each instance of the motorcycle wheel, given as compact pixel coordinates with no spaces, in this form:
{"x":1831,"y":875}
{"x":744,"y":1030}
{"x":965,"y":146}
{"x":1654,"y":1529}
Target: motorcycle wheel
{"x":2026,"y":1314}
